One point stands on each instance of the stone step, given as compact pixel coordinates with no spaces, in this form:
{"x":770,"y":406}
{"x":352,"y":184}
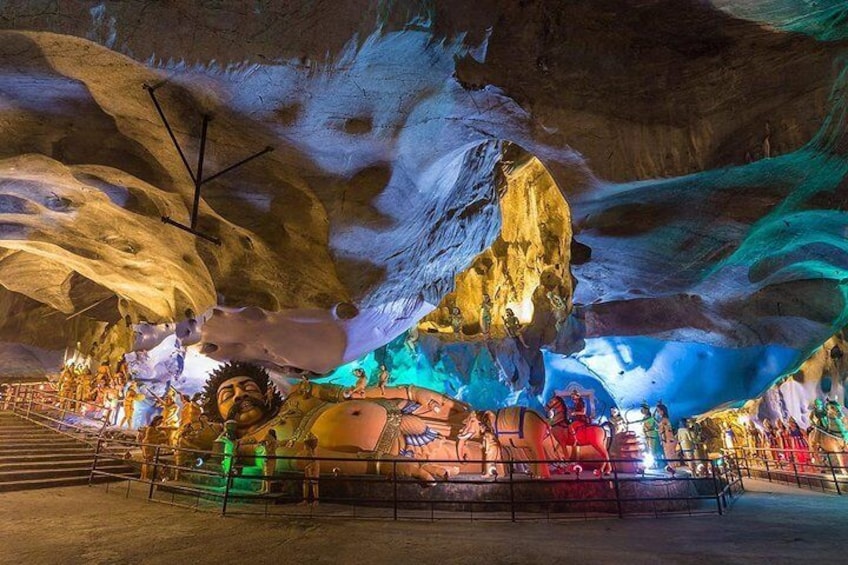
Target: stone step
{"x":44,"y":473}
{"x":48,"y":463}
{"x":52,"y":443}
{"x":51,"y":483}
{"x":44,"y":456}
{"x":80,"y":448}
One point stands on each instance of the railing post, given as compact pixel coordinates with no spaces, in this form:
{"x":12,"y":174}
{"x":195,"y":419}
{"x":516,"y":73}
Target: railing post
{"x":94,"y":462}
{"x":511,"y":491}
{"x":155,"y":472}
{"x":227,"y":483}
{"x":833,"y":474}
{"x":795,"y":468}
{"x":716,"y":488}
{"x":617,"y":492}
{"x":394,"y":489}
{"x":768,"y":471}
{"x":31,"y":398}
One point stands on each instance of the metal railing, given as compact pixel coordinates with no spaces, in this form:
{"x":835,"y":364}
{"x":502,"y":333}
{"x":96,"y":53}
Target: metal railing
{"x":390,"y":495}
{"x":41,"y":405}
{"x":385,"y":493}
{"x":804,"y":468}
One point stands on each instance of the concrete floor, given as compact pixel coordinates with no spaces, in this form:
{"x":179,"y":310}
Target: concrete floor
{"x":769,"y":524}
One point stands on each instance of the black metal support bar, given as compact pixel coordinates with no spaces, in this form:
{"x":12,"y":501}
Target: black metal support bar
{"x":209,"y":238}
{"x":199,"y":179}
{"x":237,"y":165}
{"x":150,"y":90}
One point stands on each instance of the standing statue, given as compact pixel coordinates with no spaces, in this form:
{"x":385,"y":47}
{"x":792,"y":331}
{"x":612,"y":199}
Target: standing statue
{"x":358,"y":389}
{"x":267,"y":452}
{"x":770,"y":440}
{"x":667,"y":435}
{"x":131,"y":396}
{"x":559,"y":308}
{"x":311,"y":471}
{"x":492,"y":454}
{"x":486,"y":315}
{"x":619,"y":424}
{"x":456,"y":320}
{"x":513,"y":327}
{"x":225,"y":445}
{"x":383,"y":379}
{"x":151,"y":438}
{"x":755,"y":438}
{"x":818,"y":414}
{"x":411,"y":340}
{"x":799,"y":444}
{"x":686,"y":441}
{"x":767,"y":142}
{"x":573,"y":434}
{"x":652,"y":435}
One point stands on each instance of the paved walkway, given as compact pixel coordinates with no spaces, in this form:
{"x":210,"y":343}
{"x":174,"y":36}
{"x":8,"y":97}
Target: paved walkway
{"x":769,"y":524}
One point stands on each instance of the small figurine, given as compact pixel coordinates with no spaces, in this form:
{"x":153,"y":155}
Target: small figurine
{"x":513,"y":326}
{"x":486,"y":315}
{"x":770,"y":439}
{"x":383,"y":379}
{"x":559,"y":308}
{"x":755,"y":438}
{"x":456,"y":320}
{"x":767,"y":142}
{"x":686,"y":442}
{"x":818,"y":414}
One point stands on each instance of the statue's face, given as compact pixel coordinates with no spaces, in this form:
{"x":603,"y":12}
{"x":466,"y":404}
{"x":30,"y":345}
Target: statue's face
{"x":241,"y":399}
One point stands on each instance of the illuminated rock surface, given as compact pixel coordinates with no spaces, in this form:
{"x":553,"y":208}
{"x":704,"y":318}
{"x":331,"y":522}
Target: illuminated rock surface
{"x":417,"y":156}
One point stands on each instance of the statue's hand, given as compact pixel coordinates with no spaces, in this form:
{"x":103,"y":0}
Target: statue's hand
{"x":290,"y":443}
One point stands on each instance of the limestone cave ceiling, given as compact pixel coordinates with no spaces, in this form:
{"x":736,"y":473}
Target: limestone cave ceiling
{"x":397,"y":126}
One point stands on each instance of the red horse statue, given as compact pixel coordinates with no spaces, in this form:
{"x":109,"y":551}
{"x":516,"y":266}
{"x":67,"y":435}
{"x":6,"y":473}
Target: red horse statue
{"x":578,"y":431}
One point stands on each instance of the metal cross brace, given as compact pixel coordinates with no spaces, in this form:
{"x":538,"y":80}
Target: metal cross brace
{"x":197,"y":178}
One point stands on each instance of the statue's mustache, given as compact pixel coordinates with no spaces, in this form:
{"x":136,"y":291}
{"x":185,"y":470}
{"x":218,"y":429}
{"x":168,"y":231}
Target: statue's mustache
{"x":244,"y":405}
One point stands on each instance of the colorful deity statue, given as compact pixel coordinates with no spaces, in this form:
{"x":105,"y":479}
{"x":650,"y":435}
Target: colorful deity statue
{"x":559,"y":307}
{"x":456,"y":320}
{"x":783,"y":440}
{"x":492,"y":454}
{"x":755,"y":438}
{"x":836,"y":419}
{"x":686,"y":442}
{"x":104,"y":372}
{"x":486,"y":315}
{"x":771,"y":441}
{"x":373,"y":424}
{"x":311,"y":470}
{"x":131,"y":396}
{"x":225,"y":445}
{"x":651,"y":430}
{"x":818,"y":415}
{"x":267,"y":452}
{"x":358,"y":389}
{"x":667,"y":435}
{"x":189,"y":412}
{"x":411,"y":340}
{"x":619,"y":424}
{"x":383,"y":379}
{"x":170,"y":409}
{"x":578,"y":408}
{"x":151,"y":438}
{"x":798,"y":443}
{"x":513,"y":327}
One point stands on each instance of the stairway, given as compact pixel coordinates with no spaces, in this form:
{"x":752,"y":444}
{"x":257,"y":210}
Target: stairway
{"x":32,"y":456}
